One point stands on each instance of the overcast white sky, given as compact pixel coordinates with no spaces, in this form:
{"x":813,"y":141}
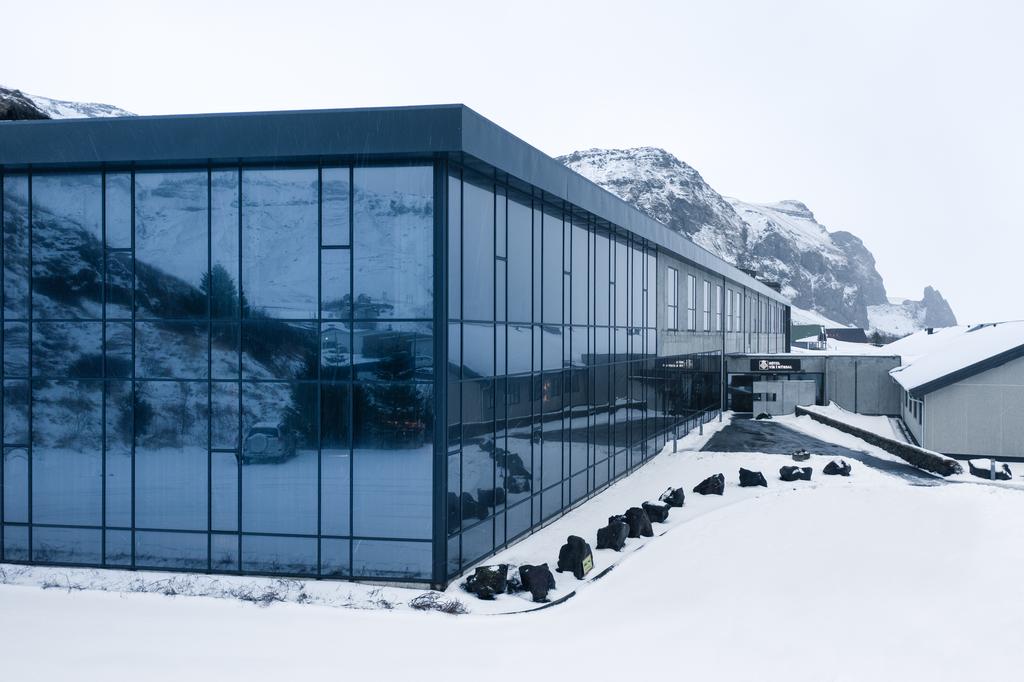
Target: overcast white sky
{"x":899,"y":121}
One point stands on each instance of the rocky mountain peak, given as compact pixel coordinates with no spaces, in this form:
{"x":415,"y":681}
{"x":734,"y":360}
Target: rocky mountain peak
{"x":830,"y":273}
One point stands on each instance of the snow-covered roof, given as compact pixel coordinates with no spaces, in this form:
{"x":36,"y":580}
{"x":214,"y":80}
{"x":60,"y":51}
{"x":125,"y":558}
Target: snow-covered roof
{"x":950,"y":354}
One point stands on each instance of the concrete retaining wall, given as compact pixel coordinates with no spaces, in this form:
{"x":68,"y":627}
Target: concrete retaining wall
{"x":911,"y":454}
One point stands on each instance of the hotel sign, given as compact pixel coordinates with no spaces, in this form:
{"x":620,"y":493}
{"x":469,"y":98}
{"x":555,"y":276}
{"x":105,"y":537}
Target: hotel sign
{"x":774,"y":365}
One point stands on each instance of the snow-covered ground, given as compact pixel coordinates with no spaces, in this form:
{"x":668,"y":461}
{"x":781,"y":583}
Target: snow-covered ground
{"x":878,"y":425}
{"x":867,"y":577}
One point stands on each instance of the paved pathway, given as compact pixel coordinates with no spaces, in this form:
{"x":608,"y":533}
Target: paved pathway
{"x":751,"y":435}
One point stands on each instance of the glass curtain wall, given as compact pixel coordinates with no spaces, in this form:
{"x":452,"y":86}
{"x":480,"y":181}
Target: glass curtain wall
{"x":225,"y":369}
{"x":554,"y":384}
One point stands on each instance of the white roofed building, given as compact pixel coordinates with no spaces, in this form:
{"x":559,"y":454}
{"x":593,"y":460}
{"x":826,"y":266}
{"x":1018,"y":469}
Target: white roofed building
{"x":963,"y":389}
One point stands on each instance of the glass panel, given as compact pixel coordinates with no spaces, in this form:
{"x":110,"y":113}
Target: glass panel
{"x":223,"y":283}
{"x":335,"y":190}
{"x":335,"y":558}
{"x":224,"y":415}
{"x":394,"y":351}
{"x":15,"y":543}
{"x":15,"y":217}
{"x":171,"y":265}
{"x":519,"y":347}
{"x":478,"y":252}
{"x":15,"y":485}
{"x":477,"y":542}
{"x":224,"y":552}
{"x":519,"y":261}
{"x":273,"y":349}
{"x":67,"y":428}
{"x":477,"y":350}
{"x":393,"y":241}
{"x":335,"y":351}
{"x":454,"y":247}
{"x":224,"y":490}
{"x":280,"y":243}
{"x":393,"y":457}
{"x":118,"y":499}
{"x":171,"y":350}
{"x":119,"y":210}
{"x":119,"y":548}
{"x":396,"y":560}
{"x":279,"y":457}
{"x":335,"y":458}
{"x":66,"y":545}
{"x":67,"y":254}
{"x":478,"y":449}
{"x":170,"y":550}
{"x":552,"y":288}
{"x":335,"y":275}
{"x":15,"y":342}
{"x":580,"y":275}
{"x":290,"y":556}
{"x":120,"y":280}
{"x":601,"y":276}
{"x":63,"y":349}
{"x":224,"y":345}
{"x":118,"y":346}
{"x":171,"y":455}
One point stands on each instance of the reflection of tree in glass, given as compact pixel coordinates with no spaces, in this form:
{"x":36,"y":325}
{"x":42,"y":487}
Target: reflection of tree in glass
{"x":396,"y":413}
{"x":220,"y":286}
{"x":134,"y":402}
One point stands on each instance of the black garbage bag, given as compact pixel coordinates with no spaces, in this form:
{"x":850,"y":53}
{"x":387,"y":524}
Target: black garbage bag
{"x":575,"y":557}
{"x":712,"y":485}
{"x":488,"y":581}
{"x":795,"y":473}
{"x":750,"y":478}
{"x":639,"y":523}
{"x":834,"y":468}
{"x":657,"y":513}
{"x":673,"y":497}
{"x":763,"y":415}
{"x":613,"y":536}
{"x":801,"y":455}
{"x":983,"y":470}
{"x":537,"y":580}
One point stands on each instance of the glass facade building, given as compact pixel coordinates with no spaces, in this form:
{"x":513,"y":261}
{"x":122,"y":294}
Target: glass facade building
{"x":376,"y":344}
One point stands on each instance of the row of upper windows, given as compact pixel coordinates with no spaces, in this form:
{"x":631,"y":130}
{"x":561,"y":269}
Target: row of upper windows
{"x":723,"y":309}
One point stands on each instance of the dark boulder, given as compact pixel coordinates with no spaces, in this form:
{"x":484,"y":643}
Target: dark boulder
{"x":801,"y":455}
{"x":657,"y":513}
{"x":763,"y":415}
{"x":537,"y":580}
{"x":575,"y":557}
{"x":834,"y":468}
{"x":712,"y":485}
{"x":750,"y":478}
{"x":673,"y":497}
{"x":982,"y":469}
{"x":488,"y":581}
{"x":639,"y":523}
{"x":795,"y":473}
{"x":613,"y":536}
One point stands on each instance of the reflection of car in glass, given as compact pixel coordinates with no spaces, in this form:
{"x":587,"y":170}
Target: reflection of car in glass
{"x":268,"y":442}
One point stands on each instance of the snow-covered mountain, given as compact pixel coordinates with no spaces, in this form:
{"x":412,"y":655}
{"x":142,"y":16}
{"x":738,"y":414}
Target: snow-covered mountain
{"x":17,"y":105}
{"x":829,"y":273}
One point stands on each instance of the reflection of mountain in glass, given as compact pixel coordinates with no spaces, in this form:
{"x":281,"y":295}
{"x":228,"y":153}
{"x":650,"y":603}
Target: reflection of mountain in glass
{"x":175,"y":292}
